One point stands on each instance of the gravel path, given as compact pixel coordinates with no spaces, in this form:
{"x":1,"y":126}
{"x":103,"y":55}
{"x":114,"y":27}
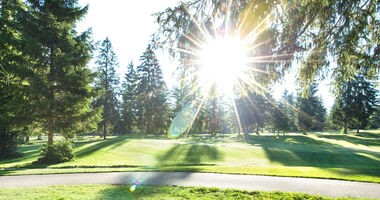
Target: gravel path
{"x":324,"y":187}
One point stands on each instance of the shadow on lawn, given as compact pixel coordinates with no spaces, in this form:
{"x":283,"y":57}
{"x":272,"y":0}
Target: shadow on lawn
{"x":353,"y":139}
{"x":27,"y":151}
{"x":33,"y":151}
{"x":110,"y":143}
{"x":189,"y":155}
{"x":309,"y":152}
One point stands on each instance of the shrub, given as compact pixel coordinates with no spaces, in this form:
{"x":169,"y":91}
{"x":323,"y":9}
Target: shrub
{"x":57,"y":152}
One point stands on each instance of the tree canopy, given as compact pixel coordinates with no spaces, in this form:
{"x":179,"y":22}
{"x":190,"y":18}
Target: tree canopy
{"x":304,"y":34}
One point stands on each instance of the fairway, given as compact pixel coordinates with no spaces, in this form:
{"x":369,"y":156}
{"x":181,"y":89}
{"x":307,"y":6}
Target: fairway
{"x":324,"y":155}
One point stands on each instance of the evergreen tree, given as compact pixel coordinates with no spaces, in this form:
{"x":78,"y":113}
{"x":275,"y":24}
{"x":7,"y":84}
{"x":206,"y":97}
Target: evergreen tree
{"x":374,"y":120}
{"x":336,"y":117}
{"x":129,"y":95}
{"x":151,"y":95}
{"x":252,"y":111}
{"x":60,"y":83}
{"x":277,"y":117}
{"x":311,"y":113}
{"x":15,"y":110}
{"x":106,"y":84}
{"x":290,"y":109}
{"x":355,"y":101}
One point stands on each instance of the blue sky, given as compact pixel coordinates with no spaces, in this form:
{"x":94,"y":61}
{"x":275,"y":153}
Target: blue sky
{"x":129,"y":26}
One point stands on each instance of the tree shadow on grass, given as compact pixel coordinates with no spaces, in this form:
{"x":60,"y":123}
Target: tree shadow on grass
{"x":353,"y":139}
{"x":189,"y":155}
{"x":110,"y":143}
{"x":210,"y":139}
{"x":27,"y":151}
{"x":368,"y":135}
{"x":33,"y":149}
{"x":308,"y":152}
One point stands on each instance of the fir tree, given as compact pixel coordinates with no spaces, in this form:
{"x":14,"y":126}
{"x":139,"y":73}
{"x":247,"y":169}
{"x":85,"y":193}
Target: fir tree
{"x":106,"y":84}
{"x":60,"y":85}
{"x":311,"y":113}
{"x":355,"y":102}
{"x":15,"y":110}
{"x":152,"y":107}
{"x":129,"y":96}
{"x":252,"y":111}
{"x":277,"y":117}
{"x":290,"y":110}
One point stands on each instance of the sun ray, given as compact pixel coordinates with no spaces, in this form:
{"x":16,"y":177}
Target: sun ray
{"x":237,"y":116}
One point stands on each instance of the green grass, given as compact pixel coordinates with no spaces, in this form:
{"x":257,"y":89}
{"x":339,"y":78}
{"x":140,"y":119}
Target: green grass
{"x":323,"y":155}
{"x":143,"y":192}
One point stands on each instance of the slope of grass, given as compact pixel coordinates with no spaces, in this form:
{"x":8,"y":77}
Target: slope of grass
{"x":142,"y":192}
{"x":324,"y":155}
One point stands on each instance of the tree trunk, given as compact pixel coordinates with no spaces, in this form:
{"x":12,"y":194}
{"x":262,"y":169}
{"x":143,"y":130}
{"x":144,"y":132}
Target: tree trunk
{"x":246,"y":130}
{"x":27,"y":139}
{"x":257,"y":131}
{"x":357,"y":126}
{"x":345,"y":125}
{"x":39,"y":137}
{"x":51,"y":95}
{"x":51,"y":130}
{"x":104,"y":131}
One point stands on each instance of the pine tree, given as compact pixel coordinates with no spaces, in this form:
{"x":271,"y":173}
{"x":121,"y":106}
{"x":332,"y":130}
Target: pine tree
{"x":252,"y":111}
{"x":374,"y":120}
{"x":290,"y":110}
{"x":15,"y":110}
{"x":277,"y":118}
{"x":106,"y":84}
{"x":129,"y":96}
{"x":311,"y":113}
{"x":355,"y":101}
{"x":152,"y":107}
{"x":60,"y":86}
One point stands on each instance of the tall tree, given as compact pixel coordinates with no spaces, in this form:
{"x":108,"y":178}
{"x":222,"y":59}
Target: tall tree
{"x":106,"y":84}
{"x":152,"y":93}
{"x":15,"y":109}
{"x":277,"y":117}
{"x":290,"y":109}
{"x":129,"y":96}
{"x":374,"y":120}
{"x":252,"y":111}
{"x":311,"y":113}
{"x":355,"y":101}
{"x":60,"y":85}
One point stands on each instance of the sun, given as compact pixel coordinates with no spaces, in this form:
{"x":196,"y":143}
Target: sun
{"x":222,"y":62}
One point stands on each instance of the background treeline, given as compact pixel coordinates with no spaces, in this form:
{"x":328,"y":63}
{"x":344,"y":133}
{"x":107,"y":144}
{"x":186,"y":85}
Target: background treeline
{"x":47,"y":88}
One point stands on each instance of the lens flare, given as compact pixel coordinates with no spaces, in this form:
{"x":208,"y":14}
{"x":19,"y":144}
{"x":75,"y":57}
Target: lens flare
{"x":183,"y":121}
{"x":133,"y":187}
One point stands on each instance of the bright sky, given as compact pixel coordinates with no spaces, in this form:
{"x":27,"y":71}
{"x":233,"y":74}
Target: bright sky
{"x":129,"y":27}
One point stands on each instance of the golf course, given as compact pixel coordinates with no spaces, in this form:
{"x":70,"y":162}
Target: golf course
{"x":319,"y":155}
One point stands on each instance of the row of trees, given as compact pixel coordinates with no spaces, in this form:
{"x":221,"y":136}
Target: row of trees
{"x":47,"y":87}
{"x":143,"y":107}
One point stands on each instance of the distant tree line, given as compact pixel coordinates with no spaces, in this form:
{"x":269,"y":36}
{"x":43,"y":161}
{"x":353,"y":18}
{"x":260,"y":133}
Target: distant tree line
{"x":47,"y":87}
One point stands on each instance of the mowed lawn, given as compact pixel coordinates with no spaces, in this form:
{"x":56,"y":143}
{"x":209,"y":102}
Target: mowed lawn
{"x":325,"y":155}
{"x":143,"y":192}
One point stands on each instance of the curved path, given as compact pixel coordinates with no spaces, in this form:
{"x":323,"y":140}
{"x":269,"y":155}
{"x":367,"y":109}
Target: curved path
{"x":323,"y":187}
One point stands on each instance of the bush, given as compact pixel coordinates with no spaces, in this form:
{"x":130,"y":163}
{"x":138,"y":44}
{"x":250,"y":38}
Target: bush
{"x":57,"y":152}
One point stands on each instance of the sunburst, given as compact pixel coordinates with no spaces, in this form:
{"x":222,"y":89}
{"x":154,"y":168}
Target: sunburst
{"x":223,"y":59}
